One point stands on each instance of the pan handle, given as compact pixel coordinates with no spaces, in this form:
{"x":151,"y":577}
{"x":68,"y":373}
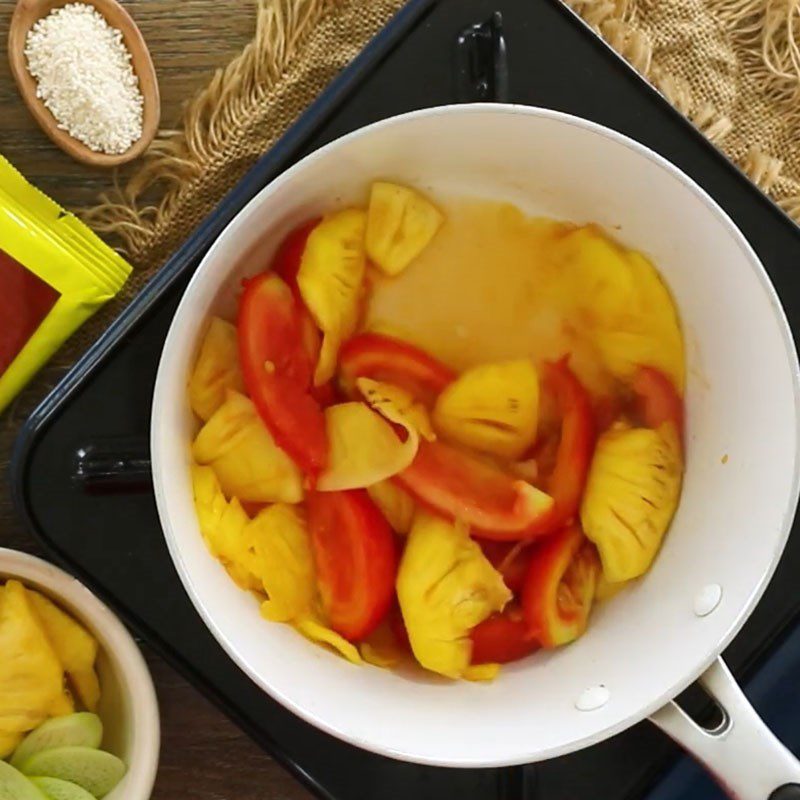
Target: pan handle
{"x":481,"y":67}
{"x":742,"y":753}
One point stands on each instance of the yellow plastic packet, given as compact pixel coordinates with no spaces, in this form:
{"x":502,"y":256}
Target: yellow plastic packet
{"x":54,"y":274}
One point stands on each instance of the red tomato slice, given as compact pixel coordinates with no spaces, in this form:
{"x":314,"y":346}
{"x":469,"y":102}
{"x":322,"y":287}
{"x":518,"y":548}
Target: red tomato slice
{"x":356,"y":559}
{"x":277,"y":371}
{"x":559,"y":588}
{"x":575,"y":447}
{"x":502,"y":638}
{"x":459,"y":485}
{"x":382,"y":358}
{"x":510,"y":559}
{"x":657,"y":400}
{"x":286,"y":263}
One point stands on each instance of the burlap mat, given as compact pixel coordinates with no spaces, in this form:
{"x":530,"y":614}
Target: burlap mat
{"x":731,"y":66}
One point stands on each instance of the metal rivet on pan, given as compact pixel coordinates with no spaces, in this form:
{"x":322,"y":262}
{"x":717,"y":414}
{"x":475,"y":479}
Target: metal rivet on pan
{"x":593,"y":698}
{"x":707,"y":599}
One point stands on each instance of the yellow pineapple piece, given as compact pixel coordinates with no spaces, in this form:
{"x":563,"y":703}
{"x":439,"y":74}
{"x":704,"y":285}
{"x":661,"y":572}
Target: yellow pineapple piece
{"x":481,"y":673}
{"x":224,"y":528}
{"x":8,"y":743}
{"x":396,"y":505}
{"x":31,"y":677}
{"x":363,"y":448}
{"x":493,"y":408}
{"x":650,"y":334}
{"x":330,"y":281}
{"x":216,"y":370}
{"x":400,"y":225}
{"x":597,"y":275}
{"x":380,"y":648}
{"x":285,"y":565}
{"x":63,"y":705}
{"x":631,"y":495}
{"x":87,"y":686}
{"x":446,"y":586}
{"x":617,"y":298}
{"x":236,"y":444}
{"x":75,"y":647}
{"x":235,"y":547}
{"x":605,"y":590}
{"x":284,"y":562}
{"x":315,"y":631}
{"x":397,"y":405}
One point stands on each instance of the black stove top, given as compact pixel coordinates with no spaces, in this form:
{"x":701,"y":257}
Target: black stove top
{"x":112,"y":539}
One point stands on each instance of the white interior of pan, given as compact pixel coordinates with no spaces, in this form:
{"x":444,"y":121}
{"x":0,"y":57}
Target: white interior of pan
{"x":644,"y":645}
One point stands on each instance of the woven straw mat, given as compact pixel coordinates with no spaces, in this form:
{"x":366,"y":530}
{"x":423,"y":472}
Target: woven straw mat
{"x":731,"y":66}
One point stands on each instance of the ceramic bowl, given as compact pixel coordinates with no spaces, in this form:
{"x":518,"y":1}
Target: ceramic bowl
{"x":128,"y":705}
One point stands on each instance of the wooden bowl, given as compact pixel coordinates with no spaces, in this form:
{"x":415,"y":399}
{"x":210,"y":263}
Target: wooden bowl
{"x":26,"y":14}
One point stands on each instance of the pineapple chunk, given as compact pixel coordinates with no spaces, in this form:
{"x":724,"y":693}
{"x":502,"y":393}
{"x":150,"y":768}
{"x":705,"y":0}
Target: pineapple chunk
{"x":597,"y":275}
{"x":445,"y":586}
{"x":316,"y":632}
{"x":87,"y":686}
{"x":650,"y":334}
{"x":75,"y":647}
{"x":363,"y":448}
{"x":400,"y":225}
{"x":619,"y":300}
{"x":63,"y":705}
{"x":398,"y":406}
{"x":396,"y":505}
{"x":217,"y":369}
{"x":481,"y":673}
{"x":8,"y":743}
{"x":236,"y":444}
{"x":224,"y":528}
{"x":631,"y":495}
{"x":330,"y":281}
{"x":381,"y":649}
{"x":493,"y":408}
{"x":31,"y":677}
{"x":605,"y":590}
{"x":285,"y":565}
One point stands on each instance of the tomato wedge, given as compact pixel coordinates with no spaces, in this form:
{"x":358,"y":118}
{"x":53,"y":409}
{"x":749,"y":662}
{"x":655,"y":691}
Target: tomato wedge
{"x":559,"y":588}
{"x":286,"y":262}
{"x":575,"y":447}
{"x":502,"y":638}
{"x":657,"y":400}
{"x":277,"y":371}
{"x":510,"y":559}
{"x":356,"y":560}
{"x":458,"y":485}
{"x":383,"y":358}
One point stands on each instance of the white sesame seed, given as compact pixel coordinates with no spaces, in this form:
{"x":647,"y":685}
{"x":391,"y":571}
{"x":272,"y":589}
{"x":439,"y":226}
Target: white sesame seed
{"x":84,"y":76}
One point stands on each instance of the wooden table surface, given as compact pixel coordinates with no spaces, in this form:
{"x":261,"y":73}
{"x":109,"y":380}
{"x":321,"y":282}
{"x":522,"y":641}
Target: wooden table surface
{"x":203,"y":755}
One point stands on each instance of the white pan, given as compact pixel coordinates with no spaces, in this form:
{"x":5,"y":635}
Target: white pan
{"x":651,"y":641}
